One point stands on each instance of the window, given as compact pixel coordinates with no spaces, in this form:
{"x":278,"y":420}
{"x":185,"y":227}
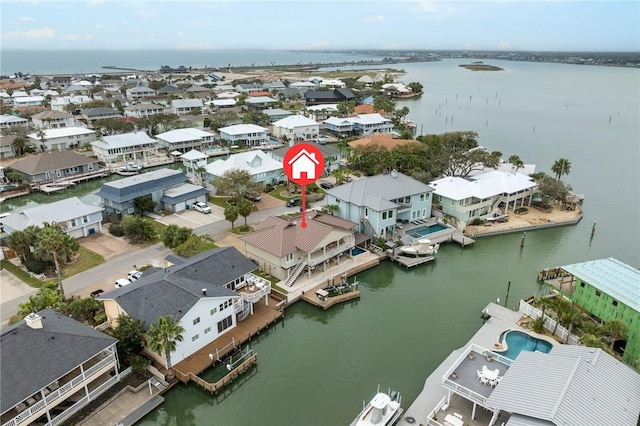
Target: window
{"x":213,"y":311}
{"x":207,"y":330}
{"x":224,"y":324}
{"x":196,"y":337}
{"x":422,"y":197}
{"x":289,"y":257}
{"x":598,"y":293}
{"x":384,"y":215}
{"x":581,"y":284}
{"x":130,"y":210}
{"x":614,"y":302}
{"x":73,"y":222}
{"x":85,"y":219}
{"x":196,"y":321}
{"x":390,"y":214}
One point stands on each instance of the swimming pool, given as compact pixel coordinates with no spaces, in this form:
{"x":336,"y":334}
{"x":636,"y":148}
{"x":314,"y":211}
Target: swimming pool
{"x":356,"y":251}
{"x":7,"y":187}
{"x":421,"y":231}
{"x":517,"y":341}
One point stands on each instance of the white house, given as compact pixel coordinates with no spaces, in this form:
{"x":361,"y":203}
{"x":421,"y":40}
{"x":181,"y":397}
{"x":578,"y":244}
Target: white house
{"x":24,"y":101}
{"x":338,"y":125}
{"x":140,"y":92}
{"x":223,"y":103}
{"x":333,"y":83}
{"x":260,"y":102}
{"x":184,"y":140}
{"x":80,"y":219}
{"x":378,"y":202}
{"x":136,"y":146}
{"x":304,"y":162}
{"x":483,"y":195}
{"x":332,"y":157}
{"x":367,"y":124}
{"x":185,"y":106}
{"x":296,"y":128}
{"x":60,"y":102}
{"x":143,"y":110}
{"x":202,"y":294}
{"x":192,"y":161}
{"x":244,"y":134}
{"x":62,"y":138}
{"x":7,"y":121}
{"x":262,"y":168}
{"x":52,"y":119}
{"x":321,"y":112}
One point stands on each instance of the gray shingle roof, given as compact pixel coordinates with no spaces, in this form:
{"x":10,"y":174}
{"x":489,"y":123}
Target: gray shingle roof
{"x":127,"y":189}
{"x":376,"y":191}
{"x":48,"y":161}
{"x":33,"y":358}
{"x":175,"y":290}
{"x":571,"y":385}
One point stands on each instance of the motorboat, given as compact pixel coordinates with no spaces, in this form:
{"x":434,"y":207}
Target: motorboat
{"x":384,"y":410}
{"x":422,"y":247}
{"x":131,"y":168}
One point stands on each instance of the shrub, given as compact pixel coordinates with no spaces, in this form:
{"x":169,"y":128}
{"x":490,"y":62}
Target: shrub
{"x":522,"y":210}
{"x":116,"y":230}
{"x":138,"y":363}
{"x":269,"y":188}
{"x":35,"y":265}
{"x":475,"y":222}
{"x":538,"y":325}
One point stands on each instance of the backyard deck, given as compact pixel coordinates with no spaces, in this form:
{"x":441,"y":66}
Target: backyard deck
{"x":311,"y":296}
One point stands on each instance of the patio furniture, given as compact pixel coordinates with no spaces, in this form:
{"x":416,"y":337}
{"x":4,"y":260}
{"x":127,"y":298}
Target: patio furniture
{"x":489,"y":374}
{"x":453,"y":420}
{"x":479,"y":373}
{"x":484,"y":380}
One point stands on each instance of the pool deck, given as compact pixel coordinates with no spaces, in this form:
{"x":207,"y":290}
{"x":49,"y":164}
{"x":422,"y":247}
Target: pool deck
{"x":447,"y":235}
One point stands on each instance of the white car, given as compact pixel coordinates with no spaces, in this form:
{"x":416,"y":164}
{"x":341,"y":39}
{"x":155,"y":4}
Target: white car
{"x":121,"y":282}
{"x":134,"y":275}
{"x":202,"y":207}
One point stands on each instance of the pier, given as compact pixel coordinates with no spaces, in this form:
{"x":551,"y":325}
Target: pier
{"x":319,"y":296}
{"x":410,"y":261}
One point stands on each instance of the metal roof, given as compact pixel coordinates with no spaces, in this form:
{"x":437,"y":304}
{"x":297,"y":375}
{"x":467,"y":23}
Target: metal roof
{"x":124,"y":140}
{"x":143,"y":184}
{"x":57,"y":212}
{"x":571,"y":385}
{"x":33,"y":358}
{"x":617,"y":279}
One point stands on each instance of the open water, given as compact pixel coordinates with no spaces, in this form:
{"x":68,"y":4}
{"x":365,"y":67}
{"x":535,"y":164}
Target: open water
{"x":316,"y":368}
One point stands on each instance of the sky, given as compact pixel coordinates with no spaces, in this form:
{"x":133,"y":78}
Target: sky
{"x":540,"y":25}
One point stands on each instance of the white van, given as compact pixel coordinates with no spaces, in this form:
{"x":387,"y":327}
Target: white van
{"x":121,"y":282}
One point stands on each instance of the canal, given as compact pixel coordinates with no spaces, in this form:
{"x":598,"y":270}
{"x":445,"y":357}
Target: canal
{"x":316,"y":367}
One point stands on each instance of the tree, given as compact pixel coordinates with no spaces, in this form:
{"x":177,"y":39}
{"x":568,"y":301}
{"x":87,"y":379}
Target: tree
{"x":22,"y":241}
{"x":84,"y":309}
{"x":163,"y":336}
{"x":561,"y":168}
{"x":130,"y":335}
{"x":231,"y":214}
{"x":19,"y":145}
{"x":592,"y":341}
{"x":616,"y":330}
{"x":236,"y":183}
{"x":383,"y":103}
{"x":48,"y":296}
{"x":40,"y":134}
{"x":174,"y":235}
{"x":552,"y":190}
{"x":223,"y":118}
{"x":346,"y":108}
{"x":52,"y":241}
{"x":144,"y":204}
{"x":12,"y":175}
{"x":244,"y":207}
{"x":331,"y":208}
{"x":201,"y":172}
{"x":516,"y":162}
{"x":255,"y":117}
{"x":195,"y":244}
{"x":138,"y":228}
{"x":415,"y":87}
{"x":570,"y":318}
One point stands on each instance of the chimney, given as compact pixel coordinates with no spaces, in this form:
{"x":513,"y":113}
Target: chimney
{"x":204,"y":291}
{"x":33,"y":320}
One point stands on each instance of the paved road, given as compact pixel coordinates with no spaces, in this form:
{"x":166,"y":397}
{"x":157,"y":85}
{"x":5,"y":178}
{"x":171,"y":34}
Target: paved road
{"x":103,"y":275}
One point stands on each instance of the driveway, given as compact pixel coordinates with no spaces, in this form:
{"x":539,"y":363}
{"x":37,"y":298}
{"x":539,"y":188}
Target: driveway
{"x":192,"y":218}
{"x":106,"y":245}
{"x":268,"y":202}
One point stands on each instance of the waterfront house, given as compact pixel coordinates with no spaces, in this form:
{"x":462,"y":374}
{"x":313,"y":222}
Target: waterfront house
{"x":6,"y":147}
{"x":186,"y":139}
{"x":125,"y":147}
{"x":62,"y":138}
{"x":276,"y":114}
{"x":383,"y":140}
{"x":99,"y":113}
{"x":27,"y":101}
{"x":607,"y":289}
{"x":192,"y":162}
{"x":77,"y":89}
{"x":285,"y":250}
{"x":61,"y":81}
{"x":79,"y":219}
{"x":208,"y":294}
{"x":260,"y":166}
{"x":368,"y":124}
{"x":332,"y":157}
{"x":260,"y":102}
{"x":55,"y":165}
{"x":377,"y":203}
{"x":296,"y":128}
{"x":482,"y":196}
{"x":139,"y":92}
{"x":7,"y":121}
{"x":170,"y":90}
{"x":186,"y":106}
{"x":248,"y":87}
{"x":316,"y":97}
{"x":573,"y":385}
{"x":276,"y":85}
{"x":168,"y":188}
{"x":51,"y":367}
{"x":244,"y":135}
{"x":53,"y":119}
{"x":339,"y":126}
{"x":144,"y":110}
{"x":303,"y":85}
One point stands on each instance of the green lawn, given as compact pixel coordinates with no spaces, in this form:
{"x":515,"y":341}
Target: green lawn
{"x":241,"y":230}
{"x":21,"y":274}
{"x":87,"y":259}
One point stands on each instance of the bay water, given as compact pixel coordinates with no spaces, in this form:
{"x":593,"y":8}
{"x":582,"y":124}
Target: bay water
{"x":316,"y":367}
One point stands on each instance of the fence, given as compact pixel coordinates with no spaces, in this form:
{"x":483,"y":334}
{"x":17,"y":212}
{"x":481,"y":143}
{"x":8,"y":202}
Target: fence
{"x":549,"y":323}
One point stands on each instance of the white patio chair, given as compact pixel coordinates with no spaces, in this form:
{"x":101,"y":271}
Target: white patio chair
{"x":484,"y":381}
{"x":480,"y":376}
{"x":493,"y":382}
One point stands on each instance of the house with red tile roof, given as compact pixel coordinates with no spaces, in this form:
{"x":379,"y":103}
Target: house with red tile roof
{"x":284,"y":249}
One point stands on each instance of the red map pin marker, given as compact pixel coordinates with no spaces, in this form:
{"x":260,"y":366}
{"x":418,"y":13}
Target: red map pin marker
{"x":303,"y":164}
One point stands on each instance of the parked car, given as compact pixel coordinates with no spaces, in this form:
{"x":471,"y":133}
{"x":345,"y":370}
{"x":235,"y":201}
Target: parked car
{"x":253,"y":197}
{"x":202,"y":207}
{"x":121,"y":282}
{"x":294,"y":202}
{"x":134,"y":275}
{"x":326,"y":185}
{"x":97,"y":293}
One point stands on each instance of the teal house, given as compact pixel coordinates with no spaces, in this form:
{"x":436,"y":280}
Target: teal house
{"x":609,"y":289}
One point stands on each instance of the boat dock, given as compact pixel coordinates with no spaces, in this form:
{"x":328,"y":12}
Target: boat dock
{"x":319,"y":296}
{"x":410,"y":261}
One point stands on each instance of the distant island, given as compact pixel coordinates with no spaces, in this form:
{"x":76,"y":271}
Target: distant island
{"x":480,"y":66}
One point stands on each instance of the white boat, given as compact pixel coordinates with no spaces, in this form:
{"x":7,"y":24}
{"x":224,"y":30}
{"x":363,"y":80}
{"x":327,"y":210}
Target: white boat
{"x":383,"y":410}
{"x":131,"y":168}
{"x":422,"y":247}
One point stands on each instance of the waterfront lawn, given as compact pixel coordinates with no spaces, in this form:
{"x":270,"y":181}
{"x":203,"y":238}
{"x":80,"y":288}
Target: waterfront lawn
{"x":21,"y":274}
{"x":273,"y":280}
{"x":87,"y":259}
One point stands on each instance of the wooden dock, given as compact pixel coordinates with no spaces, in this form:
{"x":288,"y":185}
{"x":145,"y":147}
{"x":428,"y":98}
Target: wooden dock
{"x":311,"y":296}
{"x":410,"y":261}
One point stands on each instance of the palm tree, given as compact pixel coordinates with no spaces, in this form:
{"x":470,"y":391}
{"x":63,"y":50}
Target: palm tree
{"x":231,"y":214}
{"x":331,"y":208}
{"x":51,"y":241}
{"x":570,"y":318}
{"x":201,"y":172}
{"x":616,"y":330}
{"x":163,"y":335}
{"x":244,"y":207}
{"x":516,"y":162}
{"x":592,"y":341}
{"x":561,"y":167}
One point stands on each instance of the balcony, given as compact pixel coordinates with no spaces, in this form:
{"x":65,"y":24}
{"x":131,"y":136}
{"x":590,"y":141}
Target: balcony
{"x":320,"y":256}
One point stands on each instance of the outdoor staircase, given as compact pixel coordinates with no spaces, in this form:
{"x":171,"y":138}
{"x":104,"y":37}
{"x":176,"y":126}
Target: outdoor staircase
{"x":370,"y":230}
{"x":295,"y":274}
{"x":245,"y":311}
